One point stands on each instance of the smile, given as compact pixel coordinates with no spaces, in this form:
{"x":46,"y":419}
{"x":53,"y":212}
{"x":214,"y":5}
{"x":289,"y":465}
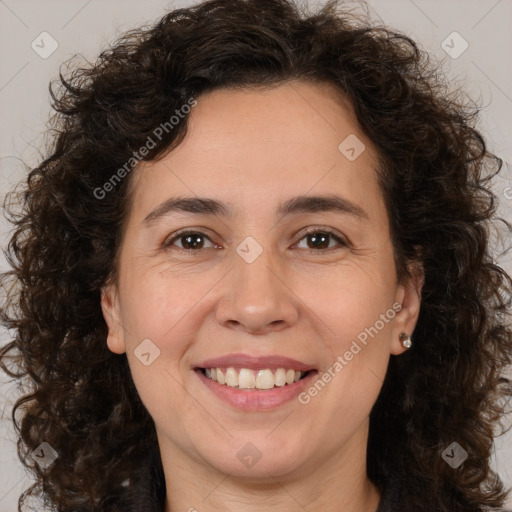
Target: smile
{"x":253,"y":398}
{"x":245,"y":378}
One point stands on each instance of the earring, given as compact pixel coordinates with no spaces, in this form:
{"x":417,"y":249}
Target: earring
{"x":406,"y":340}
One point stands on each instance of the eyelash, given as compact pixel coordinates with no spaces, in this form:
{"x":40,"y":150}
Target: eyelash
{"x":309,"y":231}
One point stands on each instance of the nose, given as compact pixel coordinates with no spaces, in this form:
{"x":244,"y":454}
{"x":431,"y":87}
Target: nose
{"x":256,"y":297}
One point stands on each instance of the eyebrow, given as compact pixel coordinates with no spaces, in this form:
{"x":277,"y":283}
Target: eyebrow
{"x":295,"y":205}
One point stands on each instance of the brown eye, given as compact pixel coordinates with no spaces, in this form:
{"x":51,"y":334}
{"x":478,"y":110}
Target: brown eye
{"x":190,"y":240}
{"x":319,"y":239}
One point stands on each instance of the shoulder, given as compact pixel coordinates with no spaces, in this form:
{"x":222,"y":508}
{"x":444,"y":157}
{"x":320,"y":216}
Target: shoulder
{"x":396,"y":498}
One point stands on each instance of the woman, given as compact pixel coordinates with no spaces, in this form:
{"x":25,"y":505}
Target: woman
{"x":255,"y":273}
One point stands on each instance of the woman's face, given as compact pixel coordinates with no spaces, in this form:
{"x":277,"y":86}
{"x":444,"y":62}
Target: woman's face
{"x":248,"y":281}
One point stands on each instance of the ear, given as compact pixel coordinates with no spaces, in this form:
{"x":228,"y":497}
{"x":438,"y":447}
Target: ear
{"x":408,"y":296}
{"x":112,"y":315}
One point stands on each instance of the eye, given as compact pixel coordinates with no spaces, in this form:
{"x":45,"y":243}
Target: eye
{"x":320,"y":239}
{"x":190,"y":240}
{"x":194,"y":240}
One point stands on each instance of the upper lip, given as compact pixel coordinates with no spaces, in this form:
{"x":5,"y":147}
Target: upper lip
{"x":255,"y":362}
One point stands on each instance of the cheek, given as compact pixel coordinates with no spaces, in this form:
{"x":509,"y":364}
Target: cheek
{"x":155,"y":301}
{"x":351,"y":297}
{"x":358,"y":346}
{"x":155,"y":310}
{"x":154,"y":316}
{"x":359,"y":313}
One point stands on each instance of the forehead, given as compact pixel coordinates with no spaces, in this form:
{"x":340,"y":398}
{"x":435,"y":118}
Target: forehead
{"x":264,"y":144}
{"x":279,"y":116}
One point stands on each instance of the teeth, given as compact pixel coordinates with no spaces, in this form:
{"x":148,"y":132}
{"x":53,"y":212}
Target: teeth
{"x":265,"y":379}
{"x":249,"y":379}
{"x":231,"y":377}
{"x":246,"y":378}
{"x":280,"y":377}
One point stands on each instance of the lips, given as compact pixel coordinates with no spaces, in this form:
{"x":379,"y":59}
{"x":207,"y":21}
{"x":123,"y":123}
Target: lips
{"x":240,"y":360}
{"x":244,"y":394}
{"x":254,"y":400}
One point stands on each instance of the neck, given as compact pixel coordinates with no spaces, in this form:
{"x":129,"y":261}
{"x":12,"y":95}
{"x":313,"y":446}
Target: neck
{"x":339,"y":482}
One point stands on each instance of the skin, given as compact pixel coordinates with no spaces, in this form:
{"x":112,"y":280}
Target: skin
{"x":255,"y":148}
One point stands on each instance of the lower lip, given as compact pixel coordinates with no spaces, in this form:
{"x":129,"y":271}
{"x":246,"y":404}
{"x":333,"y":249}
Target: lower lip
{"x":252,"y":400}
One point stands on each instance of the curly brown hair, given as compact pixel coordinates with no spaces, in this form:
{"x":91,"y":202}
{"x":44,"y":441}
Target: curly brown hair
{"x":435,"y":173}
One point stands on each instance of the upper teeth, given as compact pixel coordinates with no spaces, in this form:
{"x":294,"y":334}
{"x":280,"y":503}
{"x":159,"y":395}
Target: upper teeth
{"x":247,"y":379}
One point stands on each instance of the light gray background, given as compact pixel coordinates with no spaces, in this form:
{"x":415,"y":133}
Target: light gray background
{"x":86,"y":26}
